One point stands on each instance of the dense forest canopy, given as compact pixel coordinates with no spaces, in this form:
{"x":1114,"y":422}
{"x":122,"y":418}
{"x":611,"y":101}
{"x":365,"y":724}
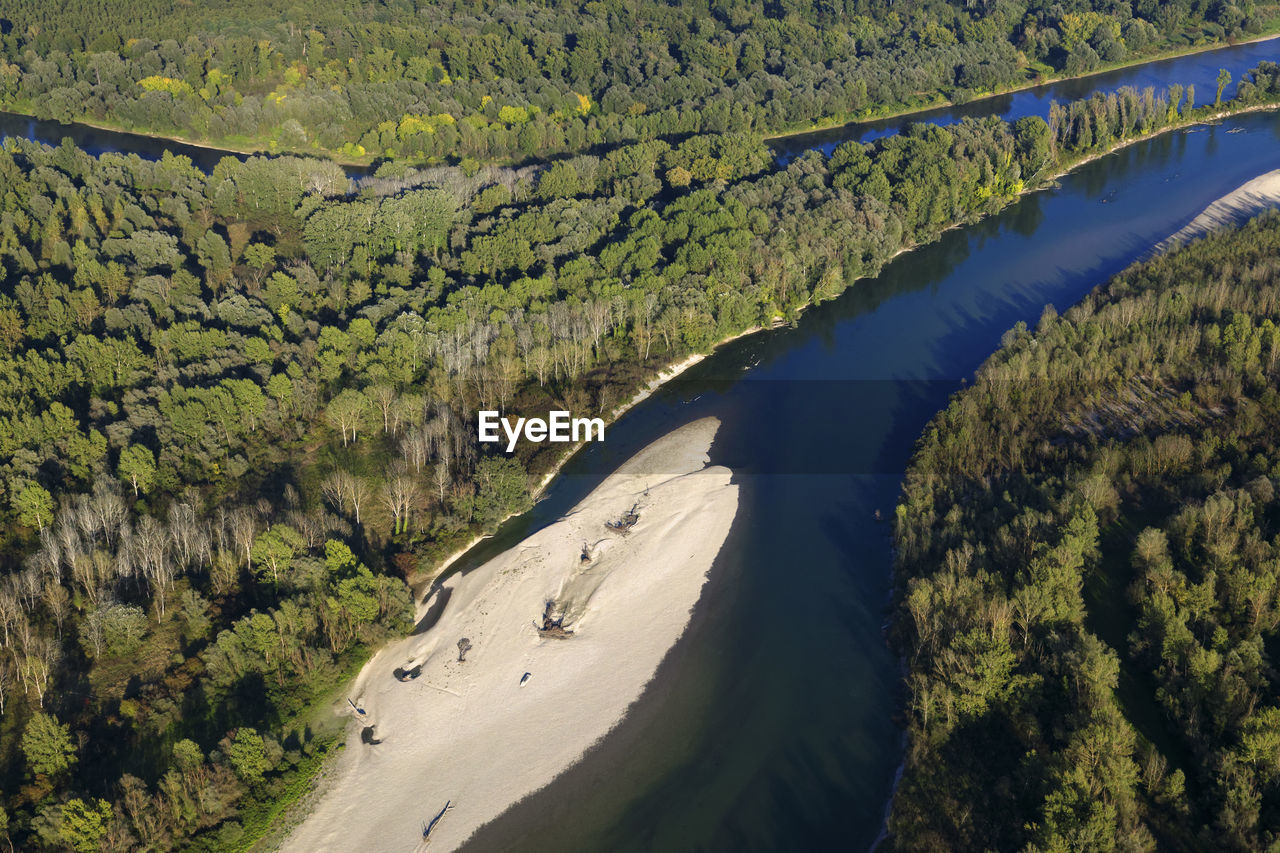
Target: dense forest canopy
{"x":236,"y":407}
{"x":1087,"y":591}
{"x":439,"y":81}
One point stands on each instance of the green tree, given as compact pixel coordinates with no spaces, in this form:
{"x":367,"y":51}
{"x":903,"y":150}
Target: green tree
{"x":502,"y":488}
{"x":84,"y":825}
{"x":46,"y":744}
{"x":187,"y":755}
{"x":116,"y":628}
{"x":34,"y":506}
{"x":274,"y":550}
{"x":1224,"y":80}
{"x":137,"y":467}
{"x":247,"y":754}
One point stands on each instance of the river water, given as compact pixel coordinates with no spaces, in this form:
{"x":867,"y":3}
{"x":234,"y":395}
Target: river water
{"x":770,"y":727}
{"x":98,"y":141}
{"x":1197,"y":69}
{"x":771,"y":724}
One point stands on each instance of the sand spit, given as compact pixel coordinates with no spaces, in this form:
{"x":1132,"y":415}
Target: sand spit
{"x":1234,"y":208}
{"x":470,"y":733}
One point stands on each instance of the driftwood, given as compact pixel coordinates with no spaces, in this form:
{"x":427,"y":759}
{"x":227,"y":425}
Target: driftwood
{"x":403,"y":674}
{"x":428,"y":828}
{"x":552,"y":626}
{"x":626,"y":522}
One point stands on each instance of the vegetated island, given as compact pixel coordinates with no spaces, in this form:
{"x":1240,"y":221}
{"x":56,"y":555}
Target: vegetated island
{"x":1087,"y":573}
{"x":436,"y":82}
{"x":534,"y":656}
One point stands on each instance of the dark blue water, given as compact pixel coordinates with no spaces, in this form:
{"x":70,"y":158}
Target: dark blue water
{"x":1198,"y":69}
{"x":770,"y":725}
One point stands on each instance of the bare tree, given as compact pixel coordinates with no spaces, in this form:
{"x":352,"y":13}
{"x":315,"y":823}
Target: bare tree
{"x":57,"y":601}
{"x":66,"y":539}
{"x":7,"y":675}
{"x":155,"y":559}
{"x":106,"y":509}
{"x":384,"y":397}
{"x":36,"y":665}
{"x":346,"y":492}
{"x":29,"y":587}
{"x":359,"y":494}
{"x":334,"y":488}
{"x":188,"y":537}
{"x":243,"y":527}
{"x":416,"y":448}
{"x":644,"y":311}
{"x":401,"y":496}
{"x":91,"y":572}
{"x":597,"y":319}
{"x":11,"y":611}
{"x":441,"y":480}
{"x":224,"y":569}
{"x":124,"y":565}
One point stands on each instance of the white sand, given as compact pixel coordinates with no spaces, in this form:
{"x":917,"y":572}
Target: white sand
{"x":1260,"y":194}
{"x":467,"y":732}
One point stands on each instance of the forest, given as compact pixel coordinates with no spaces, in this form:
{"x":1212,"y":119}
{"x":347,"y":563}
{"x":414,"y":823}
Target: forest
{"x":1087,"y":573}
{"x":236,"y":409}
{"x":447,"y":82}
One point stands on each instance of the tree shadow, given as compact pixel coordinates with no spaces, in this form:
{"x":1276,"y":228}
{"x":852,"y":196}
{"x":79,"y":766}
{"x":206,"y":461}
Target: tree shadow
{"x":433,"y":614}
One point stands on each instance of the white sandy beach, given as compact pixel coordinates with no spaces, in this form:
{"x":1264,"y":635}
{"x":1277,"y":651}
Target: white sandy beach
{"x":1234,"y":208}
{"x":468,"y":733}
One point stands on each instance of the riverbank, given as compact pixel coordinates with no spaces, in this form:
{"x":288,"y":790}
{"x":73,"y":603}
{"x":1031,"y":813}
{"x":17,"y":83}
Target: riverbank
{"x":625,"y":609}
{"x":945,"y":103}
{"x":227,"y":147}
{"x":676,"y":368}
{"x":663,"y":376}
{"x":1245,"y":202}
{"x":246,"y":147}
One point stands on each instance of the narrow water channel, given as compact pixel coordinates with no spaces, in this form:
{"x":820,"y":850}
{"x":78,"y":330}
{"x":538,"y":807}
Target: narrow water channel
{"x":1197,"y":69}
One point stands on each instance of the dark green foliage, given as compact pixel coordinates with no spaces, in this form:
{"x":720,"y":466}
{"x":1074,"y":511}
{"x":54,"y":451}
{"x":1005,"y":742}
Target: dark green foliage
{"x":502,"y":489}
{"x":248,"y":755}
{"x":1087,"y":573}
{"x":46,"y":744}
{"x":448,"y":80}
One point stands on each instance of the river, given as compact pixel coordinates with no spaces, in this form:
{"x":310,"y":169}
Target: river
{"x":98,"y":141}
{"x":771,"y":725}
{"x":1196,"y":69}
